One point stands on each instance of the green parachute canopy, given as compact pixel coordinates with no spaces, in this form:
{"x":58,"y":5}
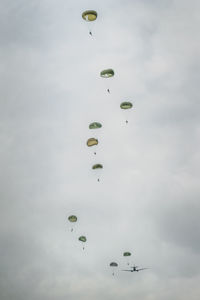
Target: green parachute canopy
{"x":113,"y":264}
{"x":126,"y":254}
{"x":89,"y":15}
{"x":107,"y":73}
{"x":82,"y":238}
{"x":97,"y":166}
{"x":92,"y":142}
{"x":72,"y":218}
{"x":95,"y":125}
{"x":126,"y":105}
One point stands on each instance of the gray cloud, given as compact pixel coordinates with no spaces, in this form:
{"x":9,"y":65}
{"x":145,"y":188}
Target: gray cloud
{"x":147,"y":199}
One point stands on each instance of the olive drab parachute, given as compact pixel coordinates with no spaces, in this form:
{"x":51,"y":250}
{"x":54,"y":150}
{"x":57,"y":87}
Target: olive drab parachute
{"x":97,"y":167}
{"x":72,"y":219}
{"x":108,"y":73}
{"x":113,"y":265}
{"x":92,"y":142}
{"x":127,"y":255}
{"x":126,"y":105}
{"x":82,"y":239}
{"x":89,"y":16}
{"x":95,"y":125}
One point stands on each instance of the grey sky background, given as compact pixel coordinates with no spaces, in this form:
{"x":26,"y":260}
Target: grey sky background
{"x":147,"y":201}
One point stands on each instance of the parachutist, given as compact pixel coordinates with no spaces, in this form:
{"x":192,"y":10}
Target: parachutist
{"x":71,"y":229}
{"x":94,"y":153}
{"x":98,"y":179}
{"x":90,"y":33}
{"x":108,"y":90}
{"x":126,"y":122}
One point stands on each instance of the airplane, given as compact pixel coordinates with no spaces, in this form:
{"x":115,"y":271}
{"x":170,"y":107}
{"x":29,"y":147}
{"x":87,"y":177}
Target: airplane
{"x":135,"y":269}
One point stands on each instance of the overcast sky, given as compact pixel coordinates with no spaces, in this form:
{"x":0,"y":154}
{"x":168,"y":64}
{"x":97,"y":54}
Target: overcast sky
{"x":147,"y":200}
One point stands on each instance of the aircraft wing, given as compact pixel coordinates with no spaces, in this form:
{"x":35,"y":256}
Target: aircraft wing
{"x":127,"y":270}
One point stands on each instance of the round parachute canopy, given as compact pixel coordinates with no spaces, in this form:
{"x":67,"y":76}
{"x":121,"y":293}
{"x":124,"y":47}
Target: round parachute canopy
{"x":126,"y":105}
{"x":107,"y":73}
{"x":72,"y":218}
{"x":89,"y":15}
{"x":95,"y":125}
{"x":97,"y":166}
{"x":92,"y":142}
{"x":127,"y":254}
{"x":82,"y":239}
{"x":113,"y":264}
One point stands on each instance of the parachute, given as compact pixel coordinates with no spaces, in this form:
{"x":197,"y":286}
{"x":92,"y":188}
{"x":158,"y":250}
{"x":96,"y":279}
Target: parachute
{"x":89,"y":16}
{"x":92,"y":142}
{"x":95,"y":125}
{"x":107,"y":73}
{"x":72,"y":219}
{"x":97,"y":166}
{"x":127,"y":254}
{"x":113,"y":265}
{"x":126,"y":105}
{"x":82,"y":239}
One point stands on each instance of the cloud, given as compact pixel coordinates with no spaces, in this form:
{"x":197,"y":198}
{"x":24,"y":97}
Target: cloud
{"x":147,"y":199}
